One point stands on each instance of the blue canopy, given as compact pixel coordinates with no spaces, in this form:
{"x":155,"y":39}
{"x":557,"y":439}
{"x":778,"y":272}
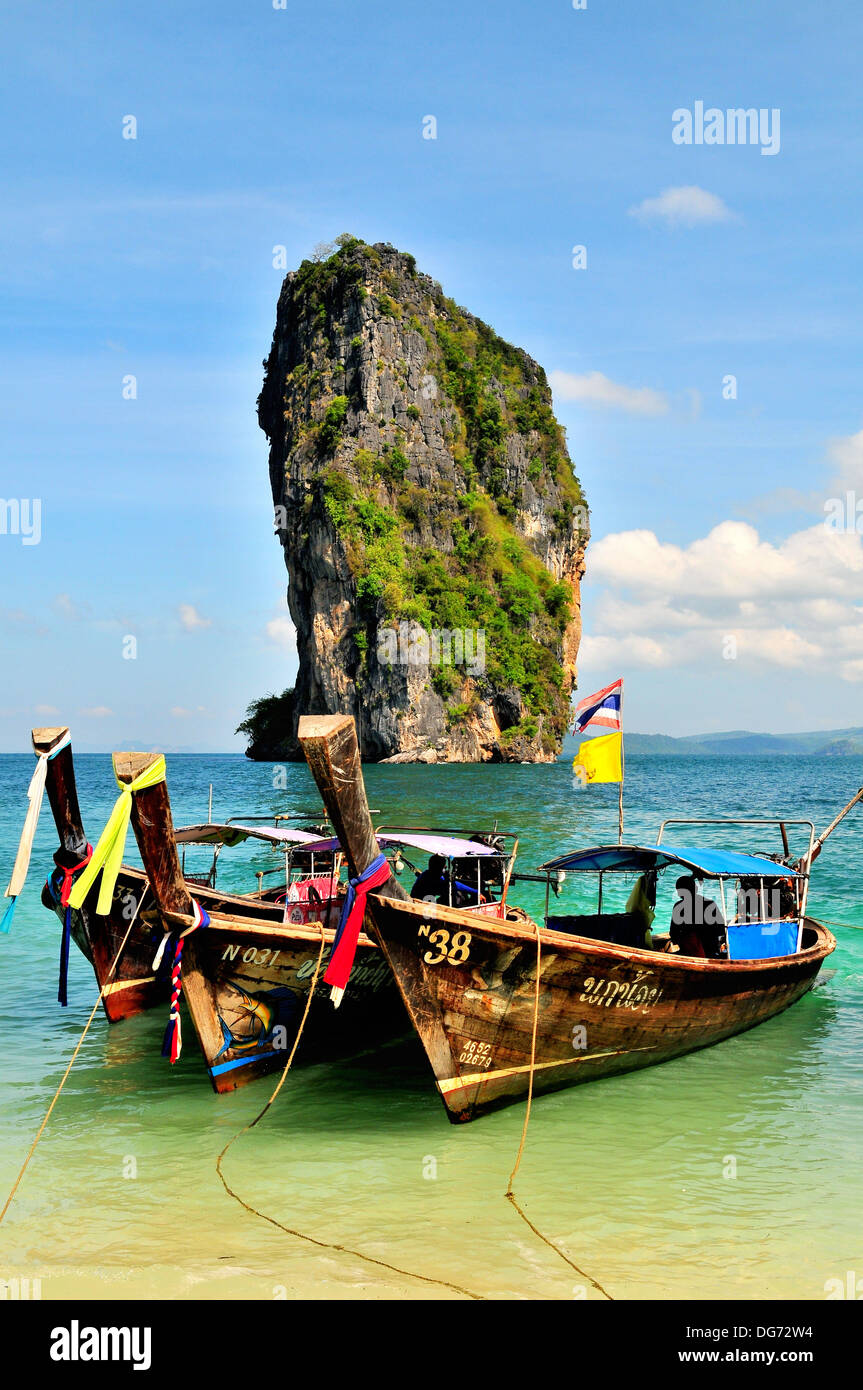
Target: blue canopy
{"x":706,"y":863}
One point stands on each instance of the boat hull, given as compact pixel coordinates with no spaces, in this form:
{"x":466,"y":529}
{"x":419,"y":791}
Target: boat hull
{"x":245,"y":978}
{"x":133,"y":986}
{"x":469,"y":984}
{"x":247,"y":985}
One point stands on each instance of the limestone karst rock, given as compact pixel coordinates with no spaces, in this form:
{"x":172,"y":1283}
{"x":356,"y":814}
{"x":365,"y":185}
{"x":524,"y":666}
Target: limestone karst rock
{"x":422,"y":487}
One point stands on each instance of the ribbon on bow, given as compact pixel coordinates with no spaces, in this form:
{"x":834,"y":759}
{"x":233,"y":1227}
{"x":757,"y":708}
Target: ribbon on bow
{"x":345,"y":945}
{"x":66,"y":873}
{"x":108,"y":854}
{"x":35,"y":794}
{"x":172,"y":1043}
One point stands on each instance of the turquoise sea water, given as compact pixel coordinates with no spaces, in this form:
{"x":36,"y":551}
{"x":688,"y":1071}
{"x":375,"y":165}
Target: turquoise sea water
{"x":631,"y":1176}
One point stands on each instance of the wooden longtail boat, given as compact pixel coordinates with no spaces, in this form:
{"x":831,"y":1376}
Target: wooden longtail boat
{"x":245,"y":980}
{"x":246,"y":977}
{"x":600,"y":1007}
{"x":134,"y":986}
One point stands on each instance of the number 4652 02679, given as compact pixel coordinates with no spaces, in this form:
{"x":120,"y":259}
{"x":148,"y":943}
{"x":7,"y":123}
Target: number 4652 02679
{"x":453,"y":951}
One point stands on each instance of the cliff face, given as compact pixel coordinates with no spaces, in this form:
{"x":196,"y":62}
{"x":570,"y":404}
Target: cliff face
{"x":427,"y":508}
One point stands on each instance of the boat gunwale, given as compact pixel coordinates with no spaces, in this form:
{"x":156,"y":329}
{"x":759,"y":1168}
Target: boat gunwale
{"x":822,"y":948}
{"x":226,"y":922}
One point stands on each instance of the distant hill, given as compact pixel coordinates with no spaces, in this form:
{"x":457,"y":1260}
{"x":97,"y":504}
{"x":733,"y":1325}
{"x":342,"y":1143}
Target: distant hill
{"x":739,"y":743}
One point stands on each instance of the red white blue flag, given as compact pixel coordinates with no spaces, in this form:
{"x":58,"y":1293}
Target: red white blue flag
{"x":602,"y":708}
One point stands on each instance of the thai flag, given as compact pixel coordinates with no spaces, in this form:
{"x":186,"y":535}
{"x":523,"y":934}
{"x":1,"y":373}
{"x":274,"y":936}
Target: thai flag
{"x":602,"y":708}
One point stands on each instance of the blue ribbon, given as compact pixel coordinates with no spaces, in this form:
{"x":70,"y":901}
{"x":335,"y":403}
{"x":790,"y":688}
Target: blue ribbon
{"x":64,"y":959}
{"x":351,"y":895}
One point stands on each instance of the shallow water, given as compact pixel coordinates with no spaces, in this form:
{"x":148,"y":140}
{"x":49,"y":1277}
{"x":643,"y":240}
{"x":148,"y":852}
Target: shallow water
{"x":631,"y":1176}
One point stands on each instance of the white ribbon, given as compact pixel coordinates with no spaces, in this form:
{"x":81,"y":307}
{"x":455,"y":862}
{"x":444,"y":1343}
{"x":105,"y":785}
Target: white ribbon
{"x":35,"y":793}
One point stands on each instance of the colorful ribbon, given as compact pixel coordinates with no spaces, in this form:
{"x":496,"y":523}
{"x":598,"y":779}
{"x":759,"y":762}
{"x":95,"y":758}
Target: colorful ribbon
{"x":108,"y":854}
{"x":35,"y":793}
{"x":345,"y":944}
{"x":172,"y":1043}
{"x":65,"y":887}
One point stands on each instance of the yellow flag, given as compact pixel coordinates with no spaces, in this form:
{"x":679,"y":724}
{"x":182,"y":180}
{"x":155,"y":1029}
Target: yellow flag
{"x":599,"y":759}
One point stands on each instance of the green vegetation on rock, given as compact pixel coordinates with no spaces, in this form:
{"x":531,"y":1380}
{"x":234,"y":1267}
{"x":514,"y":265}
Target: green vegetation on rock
{"x":460,"y":542}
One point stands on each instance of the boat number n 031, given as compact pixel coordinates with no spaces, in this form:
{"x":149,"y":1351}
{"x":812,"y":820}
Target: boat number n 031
{"x":453,"y":951}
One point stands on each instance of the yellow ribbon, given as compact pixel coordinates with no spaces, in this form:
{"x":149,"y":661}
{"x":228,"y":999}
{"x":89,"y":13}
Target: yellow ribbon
{"x":108,"y":854}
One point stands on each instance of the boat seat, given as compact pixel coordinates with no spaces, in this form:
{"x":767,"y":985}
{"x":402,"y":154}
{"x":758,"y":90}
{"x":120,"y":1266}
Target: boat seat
{"x":620,"y":928}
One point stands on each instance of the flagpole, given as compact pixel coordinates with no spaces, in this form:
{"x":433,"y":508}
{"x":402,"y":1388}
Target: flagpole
{"x":622,"y":771}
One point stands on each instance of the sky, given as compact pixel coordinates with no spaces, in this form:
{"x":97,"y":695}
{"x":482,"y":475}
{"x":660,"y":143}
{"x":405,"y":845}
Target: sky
{"x":704,"y":348}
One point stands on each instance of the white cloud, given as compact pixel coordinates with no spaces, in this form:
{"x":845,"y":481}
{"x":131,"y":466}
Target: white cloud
{"x":191,"y":618}
{"x":845,"y":461}
{"x":632,"y":649}
{"x":180,"y":712}
{"x":595,"y":389}
{"x":70,"y":610}
{"x":846,"y":454}
{"x":96,"y":712}
{"x":728,"y":596}
{"x":687,"y":206}
{"x":47,"y":711}
{"x":282,"y":633}
{"x":733,"y":562}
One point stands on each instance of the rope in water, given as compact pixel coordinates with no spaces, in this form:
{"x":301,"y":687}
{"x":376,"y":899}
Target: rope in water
{"x":855,"y":926}
{"x":302,"y":1235}
{"x":78,"y":1047}
{"x":510,"y":1194}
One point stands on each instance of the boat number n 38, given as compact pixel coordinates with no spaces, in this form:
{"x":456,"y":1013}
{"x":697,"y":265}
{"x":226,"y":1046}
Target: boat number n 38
{"x":453,"y":951}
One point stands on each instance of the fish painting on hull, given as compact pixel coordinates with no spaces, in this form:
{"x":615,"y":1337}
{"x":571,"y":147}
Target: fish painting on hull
{"x":253,"y":1021}
{"x":254,"y":983}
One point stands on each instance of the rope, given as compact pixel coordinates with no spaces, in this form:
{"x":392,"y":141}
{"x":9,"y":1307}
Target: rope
{"x":172,"y":1042}
{"x":510,"y":1194}
{"x":301,"y":1235}
{"x":855,"y":926}
{"x":78,"y":1046}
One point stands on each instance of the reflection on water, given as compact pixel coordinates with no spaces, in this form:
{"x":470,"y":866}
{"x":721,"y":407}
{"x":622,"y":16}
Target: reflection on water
{"x":733,"y":1172}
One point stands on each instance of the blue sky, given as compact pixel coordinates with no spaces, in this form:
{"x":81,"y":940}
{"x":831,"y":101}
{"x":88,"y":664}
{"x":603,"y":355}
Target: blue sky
{"x":259,"y":127}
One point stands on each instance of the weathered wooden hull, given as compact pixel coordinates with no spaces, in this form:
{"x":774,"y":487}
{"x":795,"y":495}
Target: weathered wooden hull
{"x":469,"y":985}
{"x":246,"y":979}
{"x":133,"y":987}
{"x":246,"y":986}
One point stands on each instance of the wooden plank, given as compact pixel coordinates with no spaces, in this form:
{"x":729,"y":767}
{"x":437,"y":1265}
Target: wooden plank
{"x":153,"y":825}
{"x":62,"y":792}
{"x":329,"y":743}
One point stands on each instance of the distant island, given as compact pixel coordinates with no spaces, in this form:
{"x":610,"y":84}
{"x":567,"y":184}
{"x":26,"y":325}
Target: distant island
{"x":738,"y":743}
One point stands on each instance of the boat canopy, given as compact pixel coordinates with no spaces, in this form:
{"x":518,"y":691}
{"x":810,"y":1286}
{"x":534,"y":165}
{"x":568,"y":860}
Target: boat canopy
{"x":235,"y":835}
{"x":707,"y":863}
{"x":450,"y":846}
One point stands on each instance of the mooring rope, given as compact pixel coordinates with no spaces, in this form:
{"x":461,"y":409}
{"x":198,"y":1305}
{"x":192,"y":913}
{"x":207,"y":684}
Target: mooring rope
{"x":78,"y":1046}
{"x":302,"y":1235}
{"x":855,"y":926}
{"x":510,"y":1194}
